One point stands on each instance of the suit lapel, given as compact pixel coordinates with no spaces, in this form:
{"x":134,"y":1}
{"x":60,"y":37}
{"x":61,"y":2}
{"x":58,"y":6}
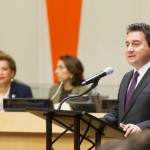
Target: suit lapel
{"x":123,"y":91}
{"x":12,"y":93}
{"x":138,"y":90}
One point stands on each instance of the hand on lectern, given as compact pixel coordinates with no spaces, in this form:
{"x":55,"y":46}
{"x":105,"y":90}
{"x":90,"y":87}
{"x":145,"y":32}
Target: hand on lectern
{"x":130,"y":128}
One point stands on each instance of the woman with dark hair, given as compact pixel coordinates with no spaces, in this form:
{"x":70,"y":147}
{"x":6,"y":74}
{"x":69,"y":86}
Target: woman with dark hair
{"x":70,"y":71}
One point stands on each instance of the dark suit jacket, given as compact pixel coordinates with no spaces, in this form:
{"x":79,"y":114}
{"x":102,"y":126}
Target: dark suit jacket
{"x":138,"y":109}
{"x":20,"y":90}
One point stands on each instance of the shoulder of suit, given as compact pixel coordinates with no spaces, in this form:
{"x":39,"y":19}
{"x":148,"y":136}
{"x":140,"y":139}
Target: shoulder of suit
{"x":19,"y":84}
{"x":129,"y":73}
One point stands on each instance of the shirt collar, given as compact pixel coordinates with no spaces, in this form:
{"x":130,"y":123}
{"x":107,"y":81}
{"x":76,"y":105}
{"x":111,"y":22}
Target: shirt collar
{"x":143,"y":70}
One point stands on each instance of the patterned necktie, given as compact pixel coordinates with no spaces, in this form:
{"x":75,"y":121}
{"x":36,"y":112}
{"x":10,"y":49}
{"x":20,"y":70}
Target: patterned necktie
{"x":131,"y":88}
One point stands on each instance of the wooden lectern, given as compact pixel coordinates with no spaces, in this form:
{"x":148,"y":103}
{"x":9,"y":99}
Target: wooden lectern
{"x":80,"y":123}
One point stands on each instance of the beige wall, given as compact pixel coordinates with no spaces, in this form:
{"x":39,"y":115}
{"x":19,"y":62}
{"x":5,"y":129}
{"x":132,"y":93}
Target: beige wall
{"x":103,"y":32}
{"x":24,"y":34}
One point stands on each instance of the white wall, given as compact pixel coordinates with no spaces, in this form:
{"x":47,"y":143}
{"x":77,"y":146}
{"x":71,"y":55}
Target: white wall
{"x":103,"y":35}
{"x":24,"y":34}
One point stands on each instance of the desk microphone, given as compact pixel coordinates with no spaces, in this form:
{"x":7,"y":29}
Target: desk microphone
{"x":55,"y":94}
{"x":97,"y":77}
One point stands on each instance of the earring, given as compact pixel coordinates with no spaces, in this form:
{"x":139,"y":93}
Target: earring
{"x":12,"y":79}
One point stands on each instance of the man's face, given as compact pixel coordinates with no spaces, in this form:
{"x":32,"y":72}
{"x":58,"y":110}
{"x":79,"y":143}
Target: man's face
{"x":137,"y":49}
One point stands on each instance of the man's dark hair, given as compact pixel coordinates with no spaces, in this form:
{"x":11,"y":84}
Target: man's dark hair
{"x":143,"y":27}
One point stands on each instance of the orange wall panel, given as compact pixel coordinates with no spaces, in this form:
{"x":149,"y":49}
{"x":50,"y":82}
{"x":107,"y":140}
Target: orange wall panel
{"x":64,"y":23}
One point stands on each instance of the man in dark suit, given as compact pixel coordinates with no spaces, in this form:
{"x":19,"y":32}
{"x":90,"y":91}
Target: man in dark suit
{"x":132,"y":113}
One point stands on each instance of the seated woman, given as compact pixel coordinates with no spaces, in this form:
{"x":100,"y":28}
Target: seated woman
{"x":70,"y":71}
{"x":10,"y":88}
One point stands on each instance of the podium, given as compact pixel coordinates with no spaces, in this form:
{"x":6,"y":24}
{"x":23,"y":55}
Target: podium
{"x":80,"y":123}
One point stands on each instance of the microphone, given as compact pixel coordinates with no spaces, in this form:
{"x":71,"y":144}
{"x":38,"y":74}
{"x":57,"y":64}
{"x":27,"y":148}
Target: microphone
{"x":97,"y":77}
{"x":55,"y":94}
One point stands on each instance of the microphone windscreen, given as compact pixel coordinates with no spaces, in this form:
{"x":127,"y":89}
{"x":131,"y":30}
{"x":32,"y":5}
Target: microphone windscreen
{"x":108,"y":70}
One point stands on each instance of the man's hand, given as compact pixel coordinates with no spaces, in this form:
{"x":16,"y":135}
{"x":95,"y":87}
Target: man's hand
{"x":130,"y":128}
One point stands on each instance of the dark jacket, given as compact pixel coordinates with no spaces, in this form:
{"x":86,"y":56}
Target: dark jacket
{"x":20,"y":90}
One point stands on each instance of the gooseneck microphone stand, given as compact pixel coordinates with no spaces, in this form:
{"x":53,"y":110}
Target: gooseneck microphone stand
{"x":78,"y":95}
{"x":75,"y":96}
{"x":55,"y":94}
